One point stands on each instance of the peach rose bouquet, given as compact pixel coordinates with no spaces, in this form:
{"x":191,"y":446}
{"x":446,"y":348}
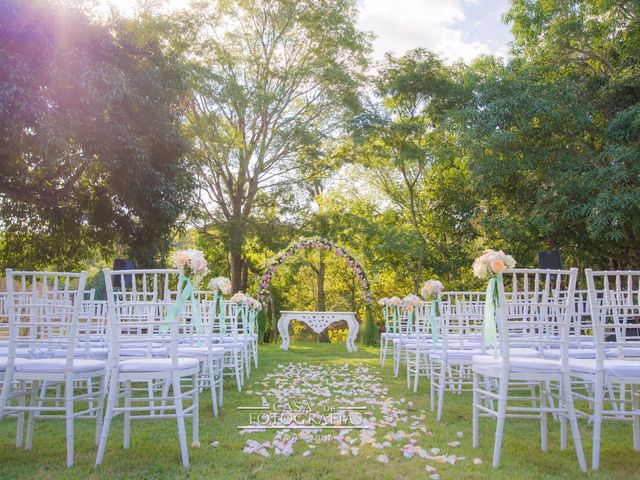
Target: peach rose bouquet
{"x":492,"y":263}
{"x":191,"y":264}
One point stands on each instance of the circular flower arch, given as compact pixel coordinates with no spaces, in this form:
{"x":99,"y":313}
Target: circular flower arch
{"x":314,"y":243}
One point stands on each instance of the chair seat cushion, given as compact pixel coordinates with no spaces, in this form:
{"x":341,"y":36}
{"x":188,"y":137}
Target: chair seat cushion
{"x":191,"y":351}
{"x":20,"y":352}
{"x":627,"y":351}
{"x":573,"y":353}
{"x":467,"y":355}
{"x":143,"y":365}
{"x":492,"y":365}
{"x":58,"y":365}
{"x":612,"y":367}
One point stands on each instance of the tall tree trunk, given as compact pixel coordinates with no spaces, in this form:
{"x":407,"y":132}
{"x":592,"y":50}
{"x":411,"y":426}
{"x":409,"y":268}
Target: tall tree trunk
{"x":236,"y":271}
{"x":245,"y":276}
{"x":321,"y":305}
{"x":236,"y":241}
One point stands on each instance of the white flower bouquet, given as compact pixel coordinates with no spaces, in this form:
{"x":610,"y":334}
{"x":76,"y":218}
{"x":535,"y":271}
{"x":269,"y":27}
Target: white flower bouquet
{"x":222,"y":284}
{"x":431,"y":288}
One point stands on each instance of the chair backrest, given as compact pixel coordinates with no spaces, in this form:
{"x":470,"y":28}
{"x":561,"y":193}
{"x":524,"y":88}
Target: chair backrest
{"x":614,"y":299}
{"x":92,"y":323}
{"x":461,"y":322}
{"x":535,"y":307}
{"x":43,"y":310}
{"x":139,"y":315}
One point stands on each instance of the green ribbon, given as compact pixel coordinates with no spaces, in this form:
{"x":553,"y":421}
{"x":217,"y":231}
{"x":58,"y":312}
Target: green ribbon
{"x":432,"y":320}
{"x":490,"y":305}
{"x":396,"y":316}
{"x":385,"y":314}
{"x":409,"y":321}
{"x":219,"y":309}
{"x":186,"y":295}
{"x":252,"y":320}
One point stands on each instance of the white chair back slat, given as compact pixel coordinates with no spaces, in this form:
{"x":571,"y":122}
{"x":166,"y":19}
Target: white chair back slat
{"x":43,"y":309}
{"x":535,"y":308}
{"x":614,"y":299}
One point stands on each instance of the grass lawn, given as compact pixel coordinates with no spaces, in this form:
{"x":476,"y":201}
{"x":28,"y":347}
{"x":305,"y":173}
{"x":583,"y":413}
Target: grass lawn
{"x":154,"y":451}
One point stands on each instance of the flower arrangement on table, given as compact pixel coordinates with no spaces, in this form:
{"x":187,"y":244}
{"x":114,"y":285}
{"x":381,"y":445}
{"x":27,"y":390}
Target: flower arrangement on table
{"x":489,"y":266}
{"x":193,"y":267}
{"x":431,"y":290}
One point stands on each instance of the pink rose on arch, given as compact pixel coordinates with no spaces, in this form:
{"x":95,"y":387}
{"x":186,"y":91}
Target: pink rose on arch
{"x":264,"y":285}
{"x":266,"y":277}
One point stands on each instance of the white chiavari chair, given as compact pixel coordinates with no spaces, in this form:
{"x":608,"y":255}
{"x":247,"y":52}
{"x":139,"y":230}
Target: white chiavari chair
{"x":419,"y":344}
{"x":229,"y":335}
{"x":458,"y":339}
{"x":536,"y":314}
{"x":139,"y":320}
{"x":43,"y":310}
{"x":391,"y":313}
{"x":613,"y":376}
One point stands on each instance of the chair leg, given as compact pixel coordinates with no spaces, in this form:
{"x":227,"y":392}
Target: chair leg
{"x":544,"y":428}
{"x":111,"y":405}
{"x":182,"y":433}
{"x":635,"y":405}
{"x":213,"y":386}
{"x":597,"y":420}
{"x":441,"y":390}
{"x":237,"y":363}
{"x":195,"y":431}
{"x":126,"y":441}
{"x":68,"y":403}
{"x":573,"y":421}
{"x":503,"y":390}
{"x":563,"y":420}
{"x":476,"y":416}
{"x":32,"y":414}
{"x":417,"y":371}
{"x":6,"y":389}
{"x":432,"y":391}
{"x":221,"y":381}
{"x":100,"y":408}
{"x":20,"y":423}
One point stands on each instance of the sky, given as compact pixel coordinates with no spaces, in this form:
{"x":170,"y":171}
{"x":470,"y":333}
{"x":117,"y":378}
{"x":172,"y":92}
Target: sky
{"x":457,"y":29}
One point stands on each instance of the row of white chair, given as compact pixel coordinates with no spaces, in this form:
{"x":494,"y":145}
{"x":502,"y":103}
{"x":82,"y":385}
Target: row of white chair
{"x":555,"y":344}
{"x":62,"y":348}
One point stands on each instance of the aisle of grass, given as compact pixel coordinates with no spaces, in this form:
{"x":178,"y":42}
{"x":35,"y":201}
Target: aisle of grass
{"x":154,"y":451}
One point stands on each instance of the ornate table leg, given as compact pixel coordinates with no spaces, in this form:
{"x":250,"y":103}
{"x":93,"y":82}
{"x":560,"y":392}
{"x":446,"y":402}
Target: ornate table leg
{"x":354,"y":326}
{"x":283,"y":328}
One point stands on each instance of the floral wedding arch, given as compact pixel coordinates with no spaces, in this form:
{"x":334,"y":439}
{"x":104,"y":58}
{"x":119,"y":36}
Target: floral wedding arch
{"x":369,"y":332}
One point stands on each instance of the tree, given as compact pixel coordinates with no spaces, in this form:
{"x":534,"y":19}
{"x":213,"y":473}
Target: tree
{"x":406,"y":142}
{"x":555,"y":133}
{"x":274,"y":79}
{"x":91,"y":153}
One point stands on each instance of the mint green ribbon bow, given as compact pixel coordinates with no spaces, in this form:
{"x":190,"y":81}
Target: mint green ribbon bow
{"x":490,"y":306}
{"x":395,"y":318}
{"x":252,"y":320}
{"x":385,"y":314}
{"x":219,"y":310}
{"x":432,"y":320}
{"x":186,"y":295}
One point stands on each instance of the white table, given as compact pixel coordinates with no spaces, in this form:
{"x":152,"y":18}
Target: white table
{"x":318,"y":321}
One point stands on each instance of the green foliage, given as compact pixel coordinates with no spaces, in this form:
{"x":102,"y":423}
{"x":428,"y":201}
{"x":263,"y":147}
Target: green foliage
{"x":91,"y":154}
